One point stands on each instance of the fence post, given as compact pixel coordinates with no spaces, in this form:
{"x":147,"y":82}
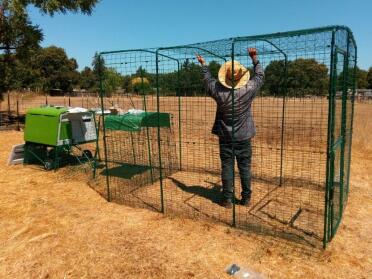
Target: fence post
{"x":46,"y":99}
{"x":159,"y":133}
{"x":233,"y":132}
{"x":179,"y":115}
{"x":283,"y":120}
{"x":8,"y":103}
{"x":69,"y":101}
{"x":18,"y":128}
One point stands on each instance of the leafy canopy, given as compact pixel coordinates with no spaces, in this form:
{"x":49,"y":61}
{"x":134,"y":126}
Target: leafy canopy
{"x":19,"y":38}
{"x":304,"y":77}
{"x":369,"y":78}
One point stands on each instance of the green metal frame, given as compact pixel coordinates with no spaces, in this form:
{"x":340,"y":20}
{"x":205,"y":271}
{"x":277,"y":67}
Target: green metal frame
{"x":333,"y":143}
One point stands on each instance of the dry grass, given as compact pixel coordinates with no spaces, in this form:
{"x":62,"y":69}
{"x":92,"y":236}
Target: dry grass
{"x":55,"y":228}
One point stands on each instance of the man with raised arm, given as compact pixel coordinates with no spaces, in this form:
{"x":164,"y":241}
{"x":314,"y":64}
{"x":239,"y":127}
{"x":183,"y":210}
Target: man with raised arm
{"x":234,"y":125}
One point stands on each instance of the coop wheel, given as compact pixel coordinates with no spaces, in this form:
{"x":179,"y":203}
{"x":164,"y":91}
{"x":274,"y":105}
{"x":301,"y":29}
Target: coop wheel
{"x":88,"y":154}
{"x":48,"y":165}
{"x":51,"y":153}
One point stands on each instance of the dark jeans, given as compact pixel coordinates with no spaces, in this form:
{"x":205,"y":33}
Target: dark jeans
{"x":243,"y":154}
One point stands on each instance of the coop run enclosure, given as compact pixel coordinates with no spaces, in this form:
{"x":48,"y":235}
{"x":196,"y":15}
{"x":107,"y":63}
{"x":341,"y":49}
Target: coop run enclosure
{"x":163,"y":156}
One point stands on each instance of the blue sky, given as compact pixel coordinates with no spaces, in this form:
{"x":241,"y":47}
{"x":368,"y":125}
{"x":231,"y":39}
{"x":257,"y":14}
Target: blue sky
{"x":127,"y":24}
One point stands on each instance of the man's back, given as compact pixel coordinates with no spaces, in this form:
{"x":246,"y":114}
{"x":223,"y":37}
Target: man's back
{"x":241,"y":116}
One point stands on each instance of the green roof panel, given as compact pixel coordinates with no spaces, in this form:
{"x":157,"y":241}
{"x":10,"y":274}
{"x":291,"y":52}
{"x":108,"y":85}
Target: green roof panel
{"x":49,"y":111}
{"x":135,"y":122}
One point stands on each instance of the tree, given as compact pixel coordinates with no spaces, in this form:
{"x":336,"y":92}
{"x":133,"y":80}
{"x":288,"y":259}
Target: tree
{"x":63,"y":6}
{"x":127,"y":84}
{"x":304,"y":77}
{"x":18,"y":37}
{"x":142,"y":73}
{"x":275,"y":78}
{"x":307,"y":77}
{"x":112,"y":81}
{"x":98,"y":64}
{"x":88,"y":79}
{"x":191,"y":79}
{"x":55,"y":69}
{"x":369,"y":78}
{"x":141,"y":85}
{"x":25,"y":75}
{"x":214,"y":67}
{"x":188,"y":81}
{"x":361,"y":78}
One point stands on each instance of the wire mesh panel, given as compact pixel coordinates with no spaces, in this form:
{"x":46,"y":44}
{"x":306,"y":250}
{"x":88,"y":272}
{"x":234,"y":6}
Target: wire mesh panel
{"x":194,"y":189}
{"x":341,"y":101}
{"x":138,"y":152}
{"x":297,"y":163}
{"x":350,"y":92}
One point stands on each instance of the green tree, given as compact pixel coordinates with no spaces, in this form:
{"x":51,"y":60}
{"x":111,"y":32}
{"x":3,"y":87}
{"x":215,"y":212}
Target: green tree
{"x":19,"y":37}
{"x":275,"y":78}
{"x":98,"y":64}
{"x":127,"y":84}
{"x":88,"y":79}
{"x":62,"y":6}
{"x":304,"y":77}
{"x":55,"y":69}
{"x":24,"y":75}
{"x":214,"y":67}
{"x":369,"y":78}
{"x":191,"y":79}
{"x":187,"y":82}
{"x":361,"y":77}
{"x":112,"y":81}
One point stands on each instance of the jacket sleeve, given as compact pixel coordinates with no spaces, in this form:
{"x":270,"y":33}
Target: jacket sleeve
{"x":256,"y":82}
{"x":209,"y":82}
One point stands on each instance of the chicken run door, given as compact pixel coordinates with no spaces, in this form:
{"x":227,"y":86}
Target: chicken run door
{"x":336,"y":181}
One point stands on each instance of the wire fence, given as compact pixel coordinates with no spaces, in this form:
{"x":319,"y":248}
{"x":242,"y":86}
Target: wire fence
{"x":300,"y":161}
{"x":14,"y":105}
{"x":301,"y":152}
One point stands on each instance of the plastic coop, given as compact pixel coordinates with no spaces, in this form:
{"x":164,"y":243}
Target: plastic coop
{"x":54,"y":135}
{"x":166,"y":159}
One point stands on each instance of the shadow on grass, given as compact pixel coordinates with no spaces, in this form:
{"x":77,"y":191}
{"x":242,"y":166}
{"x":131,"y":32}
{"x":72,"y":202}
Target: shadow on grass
{"x":126,"y":171}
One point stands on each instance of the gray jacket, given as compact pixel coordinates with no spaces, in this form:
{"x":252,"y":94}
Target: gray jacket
{"x":244,"y":126}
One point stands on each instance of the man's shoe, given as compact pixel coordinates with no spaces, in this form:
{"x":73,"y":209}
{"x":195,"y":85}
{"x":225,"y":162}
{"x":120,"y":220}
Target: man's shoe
{"x":245,"y":201}
{"x":226,"y":203}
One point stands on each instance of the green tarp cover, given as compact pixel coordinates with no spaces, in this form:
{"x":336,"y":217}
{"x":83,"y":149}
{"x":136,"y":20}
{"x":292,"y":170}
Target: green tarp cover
{"x":134,"y":122}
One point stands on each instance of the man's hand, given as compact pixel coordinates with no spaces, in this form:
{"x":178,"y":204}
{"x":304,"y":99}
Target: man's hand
{"x":200,"y":59}
{"x":253,"y":54}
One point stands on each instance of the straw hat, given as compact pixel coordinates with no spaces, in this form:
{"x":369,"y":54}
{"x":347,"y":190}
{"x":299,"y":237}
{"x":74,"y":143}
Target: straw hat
{"x":241,"y":75}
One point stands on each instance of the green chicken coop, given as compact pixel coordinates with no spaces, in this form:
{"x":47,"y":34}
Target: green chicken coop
{"x":54,"y":136}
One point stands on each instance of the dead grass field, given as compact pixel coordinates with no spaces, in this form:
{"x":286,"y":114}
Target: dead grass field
{"x":55,"y":227}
